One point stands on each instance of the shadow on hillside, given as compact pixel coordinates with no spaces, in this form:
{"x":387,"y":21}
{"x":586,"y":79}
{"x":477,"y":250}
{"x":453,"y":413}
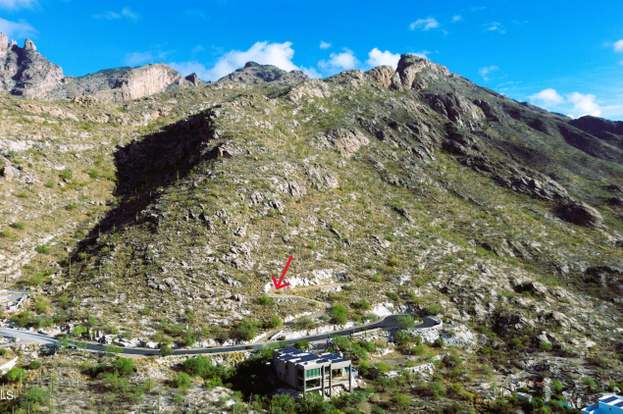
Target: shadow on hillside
{"x":147,"y":166}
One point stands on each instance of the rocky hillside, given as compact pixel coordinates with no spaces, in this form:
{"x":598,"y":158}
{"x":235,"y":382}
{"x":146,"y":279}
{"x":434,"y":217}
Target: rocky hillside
{"x":408,"y":189}
{"x":26,"y":72}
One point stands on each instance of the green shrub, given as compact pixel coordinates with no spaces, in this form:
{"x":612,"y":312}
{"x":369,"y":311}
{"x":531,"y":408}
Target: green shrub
{"x":362,"y":305}
{"x":124,"y":367}
{"x":16,"y":374}
{"x":339,"y":314}
{"x":66,"y":174}
{"x":201,"y":366}
{"x":401,"y":401}
{"x":42,"y":249}
{"x":18,"y":225}
{"x":432,"y":309}
{"x":246,"y":329}
{"x":590,"y":383}
{"x":34,"y":396}
{"x":282,"y":404}
{"x":182,"y":381}
{"x":265,"y":300}
{"x":274,"y":322}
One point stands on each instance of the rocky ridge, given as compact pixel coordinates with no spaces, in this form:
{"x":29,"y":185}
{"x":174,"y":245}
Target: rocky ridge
{"x":24,"y":71}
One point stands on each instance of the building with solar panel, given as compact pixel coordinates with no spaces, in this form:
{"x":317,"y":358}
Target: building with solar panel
{"x":609,"y":403}
{"x":307,"y":372}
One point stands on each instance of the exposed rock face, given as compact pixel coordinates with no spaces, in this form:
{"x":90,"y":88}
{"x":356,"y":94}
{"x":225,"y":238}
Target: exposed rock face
{"x":580,"y":214}
{"x":4,"y":43}
{"x":609,"y":131}
{"x":120,"y":85}
{"x":416,"y":72}
{"x":25,"y":72}
{"x":254,"y":73}
{"x":605,"y":276}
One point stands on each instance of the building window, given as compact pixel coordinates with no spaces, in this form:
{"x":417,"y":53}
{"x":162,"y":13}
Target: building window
{"x":311,"y":373}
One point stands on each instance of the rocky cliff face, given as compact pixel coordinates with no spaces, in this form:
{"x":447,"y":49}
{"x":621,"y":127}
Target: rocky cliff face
{"x":121,"y":85}
{"x":26,"y":72}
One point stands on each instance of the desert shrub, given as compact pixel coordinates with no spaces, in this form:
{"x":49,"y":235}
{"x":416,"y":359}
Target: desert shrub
{"x":16,"y":375}
{"x":246,"y":329}
{"x":182,"y":381}
{"x":339,"y":314}
{"x":282,"y":404}
{"x":265,"y":300}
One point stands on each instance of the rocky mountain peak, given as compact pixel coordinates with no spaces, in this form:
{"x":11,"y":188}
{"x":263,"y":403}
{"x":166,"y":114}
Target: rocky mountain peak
{"x":415,"y":72}
{"x":24,"y":71}
{"x":255,"y":73}
{"x":29,"y":45}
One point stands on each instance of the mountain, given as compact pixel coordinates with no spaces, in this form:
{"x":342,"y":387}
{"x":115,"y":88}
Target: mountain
{"x":254,"y":73}
{"x":412,"y":189}
{"x":26,"y":72}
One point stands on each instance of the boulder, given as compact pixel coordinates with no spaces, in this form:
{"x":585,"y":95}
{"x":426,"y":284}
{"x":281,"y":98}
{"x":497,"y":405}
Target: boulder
{"x":605,"y":276}
{"x":9,"y":172}
{"x":579,"y":213}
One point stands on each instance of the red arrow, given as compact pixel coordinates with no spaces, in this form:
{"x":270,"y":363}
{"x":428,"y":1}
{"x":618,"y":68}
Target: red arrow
{"x":280,"y":283}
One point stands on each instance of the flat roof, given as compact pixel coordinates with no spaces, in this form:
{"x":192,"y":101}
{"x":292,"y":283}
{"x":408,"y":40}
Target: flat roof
{"x":612,"y":400}
{"x":299,"y":357}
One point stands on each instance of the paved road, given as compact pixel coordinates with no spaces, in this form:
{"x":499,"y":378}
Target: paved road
{"x":387,"y":323}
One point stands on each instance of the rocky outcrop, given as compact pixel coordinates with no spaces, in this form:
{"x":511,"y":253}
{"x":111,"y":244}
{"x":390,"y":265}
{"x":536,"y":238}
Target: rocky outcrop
{"x":605,"y":276}
{"x":609,"y":131}
{"x":579,"y":213}
{"x":25,"y":72}
{"x":416,"y":72}
{"x":120,"y":85}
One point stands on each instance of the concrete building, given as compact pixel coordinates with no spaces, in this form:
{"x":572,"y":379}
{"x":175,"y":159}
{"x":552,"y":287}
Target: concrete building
{"x":608,"y":404}
{"x":307,"y":372}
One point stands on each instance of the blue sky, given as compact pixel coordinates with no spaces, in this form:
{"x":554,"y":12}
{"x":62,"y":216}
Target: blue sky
{"x":563,"y":55}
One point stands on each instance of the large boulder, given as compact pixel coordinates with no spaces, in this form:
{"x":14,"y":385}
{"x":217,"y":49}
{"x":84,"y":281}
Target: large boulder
{"x":579,"y":213}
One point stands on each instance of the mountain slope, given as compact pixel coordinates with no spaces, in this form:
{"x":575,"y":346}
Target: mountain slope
{"x":395,"y":190}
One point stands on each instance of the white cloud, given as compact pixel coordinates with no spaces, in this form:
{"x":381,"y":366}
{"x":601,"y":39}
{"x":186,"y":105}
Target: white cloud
{"x":584,"y":104}
{"x":276,"y":54}
{"x":495,"y":27}
{"x":547,"y":98}
{"x":17,"y":4}
{"x":377,"y":57}
{"x":186,"y":68}
{"x":16,"y":29}
{"x":138,"y":58}
{"x":457,"y":18}
{"x":125,"y":13}
{"x":344,"y":60}
{"x":618,"y":46}
{"x":425,"y":25}
{"x":486,"y":71}
{"x":324,"y":45}
{"x":575,"y":104}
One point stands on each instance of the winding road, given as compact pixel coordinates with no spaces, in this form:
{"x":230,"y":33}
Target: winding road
{"x":388,"y":323}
